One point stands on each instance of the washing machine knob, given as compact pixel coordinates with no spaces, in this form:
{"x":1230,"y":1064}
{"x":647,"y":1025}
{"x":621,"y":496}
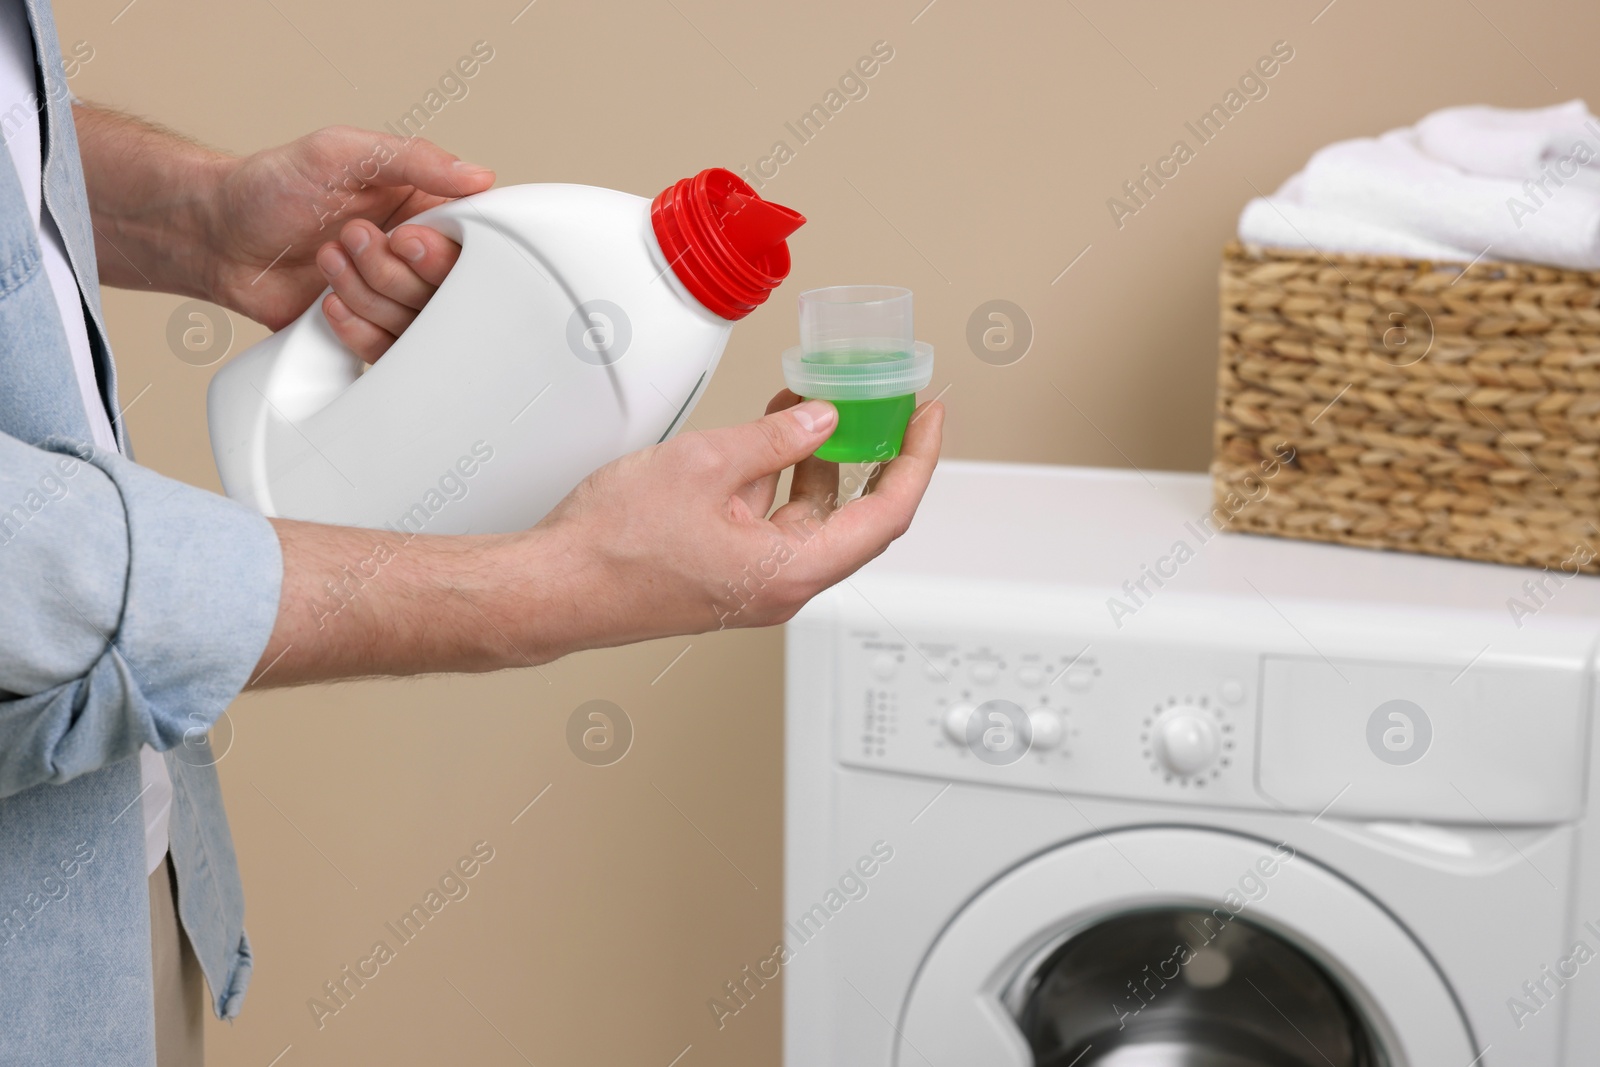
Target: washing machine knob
{"x":1047,"y":729}
{"x":955,"y":721}
{"x":1187,"y":740}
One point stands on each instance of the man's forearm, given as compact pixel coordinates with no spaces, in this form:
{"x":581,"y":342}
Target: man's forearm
{"x":150,"y":198}
{"x":371,"y":602}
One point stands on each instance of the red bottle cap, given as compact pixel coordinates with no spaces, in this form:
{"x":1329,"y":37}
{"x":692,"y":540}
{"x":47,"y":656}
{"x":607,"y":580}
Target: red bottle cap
{"x":724,"y":242}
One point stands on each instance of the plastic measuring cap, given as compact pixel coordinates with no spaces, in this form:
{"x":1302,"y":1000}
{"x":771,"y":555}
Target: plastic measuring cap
{"x":857,"y":351}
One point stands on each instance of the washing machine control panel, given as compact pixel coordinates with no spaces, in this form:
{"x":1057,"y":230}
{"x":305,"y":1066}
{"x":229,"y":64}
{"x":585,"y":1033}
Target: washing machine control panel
{"x":1059,"y":715}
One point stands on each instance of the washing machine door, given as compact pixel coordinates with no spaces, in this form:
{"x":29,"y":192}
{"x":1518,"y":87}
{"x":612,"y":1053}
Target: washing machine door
{"x":1170,"y":947}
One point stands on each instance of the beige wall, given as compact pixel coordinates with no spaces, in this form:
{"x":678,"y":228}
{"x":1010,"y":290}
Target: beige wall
{"x":976,"y":168}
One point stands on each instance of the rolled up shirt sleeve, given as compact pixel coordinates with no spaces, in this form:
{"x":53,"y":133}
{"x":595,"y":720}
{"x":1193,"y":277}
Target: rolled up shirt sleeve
{"x":133,"y":608}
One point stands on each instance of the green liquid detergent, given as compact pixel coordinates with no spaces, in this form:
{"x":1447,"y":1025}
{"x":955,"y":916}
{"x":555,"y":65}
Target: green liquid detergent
{"x":872,"y":430}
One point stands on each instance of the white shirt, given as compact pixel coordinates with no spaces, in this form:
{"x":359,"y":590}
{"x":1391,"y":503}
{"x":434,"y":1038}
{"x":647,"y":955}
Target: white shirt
{"x":18,"y":86}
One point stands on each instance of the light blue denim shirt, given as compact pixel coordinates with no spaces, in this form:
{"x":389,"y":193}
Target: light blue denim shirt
{"x":132,"y":609}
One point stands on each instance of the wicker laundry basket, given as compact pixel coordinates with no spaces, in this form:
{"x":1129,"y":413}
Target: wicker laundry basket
{"x":1394,"y":403}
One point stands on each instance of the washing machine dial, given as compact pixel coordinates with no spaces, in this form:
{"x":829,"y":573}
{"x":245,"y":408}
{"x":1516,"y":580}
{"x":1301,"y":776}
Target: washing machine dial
{"x":955,"y":721}
{"x":1047,"y":728}
{"x":1186,"y":740}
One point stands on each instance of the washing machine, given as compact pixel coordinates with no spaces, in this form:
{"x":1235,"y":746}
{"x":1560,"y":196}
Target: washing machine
{"x":1075,"y":777}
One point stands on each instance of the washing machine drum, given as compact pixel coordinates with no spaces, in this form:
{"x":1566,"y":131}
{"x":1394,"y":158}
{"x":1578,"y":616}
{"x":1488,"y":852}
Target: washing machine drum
{"x":1186,"y":989}
{"x":1169,"y":946}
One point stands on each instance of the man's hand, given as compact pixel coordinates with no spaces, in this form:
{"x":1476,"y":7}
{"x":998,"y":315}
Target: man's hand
{"x":256,"y":235}
{"x":673,"y":539}
{"x":676,"y":539}
{"x":274,"y":207}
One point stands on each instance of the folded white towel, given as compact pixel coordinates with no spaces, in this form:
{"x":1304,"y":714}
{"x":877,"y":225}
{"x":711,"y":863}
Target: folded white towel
{"x":1390,"y":182}
{"x":1283,"y":220}
{"x":1502,"y":142}
{"x":1464,"y":183}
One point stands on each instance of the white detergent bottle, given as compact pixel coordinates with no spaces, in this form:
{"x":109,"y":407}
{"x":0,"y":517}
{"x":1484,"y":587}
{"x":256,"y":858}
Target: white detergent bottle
{"x":578,"y":325}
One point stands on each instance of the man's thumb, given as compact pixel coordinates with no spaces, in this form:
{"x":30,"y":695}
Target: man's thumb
{"x":428,"y":167}
{"x":779,"y":440}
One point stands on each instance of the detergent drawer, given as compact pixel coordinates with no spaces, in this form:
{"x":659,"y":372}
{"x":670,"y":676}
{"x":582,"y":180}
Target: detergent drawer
{"x":1485,"y":744}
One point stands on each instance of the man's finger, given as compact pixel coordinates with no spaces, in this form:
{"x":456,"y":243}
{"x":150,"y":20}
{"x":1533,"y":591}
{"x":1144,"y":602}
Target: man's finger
{"x":813,"y":492}
{"x":768,"y":445}
{"x":861,"y":529}
{"x":358,"y":334}
{"x":341,"y":272}
{"x":428,"y":167}
{"x":382,"y":266}
{"x":413,"y":205}
{"x":759,"y":494}
{"x":815,"y":484}
{"x":815,"y":481}
{"x":430,"y":253}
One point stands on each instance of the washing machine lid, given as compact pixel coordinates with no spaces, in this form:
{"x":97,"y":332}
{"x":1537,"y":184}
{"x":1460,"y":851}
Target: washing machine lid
{"x":957,"y":1016}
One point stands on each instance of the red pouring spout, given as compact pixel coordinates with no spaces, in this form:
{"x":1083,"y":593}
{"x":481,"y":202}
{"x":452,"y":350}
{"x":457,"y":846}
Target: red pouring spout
{"x":754,"y":226}
{"x":725,"y":244}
